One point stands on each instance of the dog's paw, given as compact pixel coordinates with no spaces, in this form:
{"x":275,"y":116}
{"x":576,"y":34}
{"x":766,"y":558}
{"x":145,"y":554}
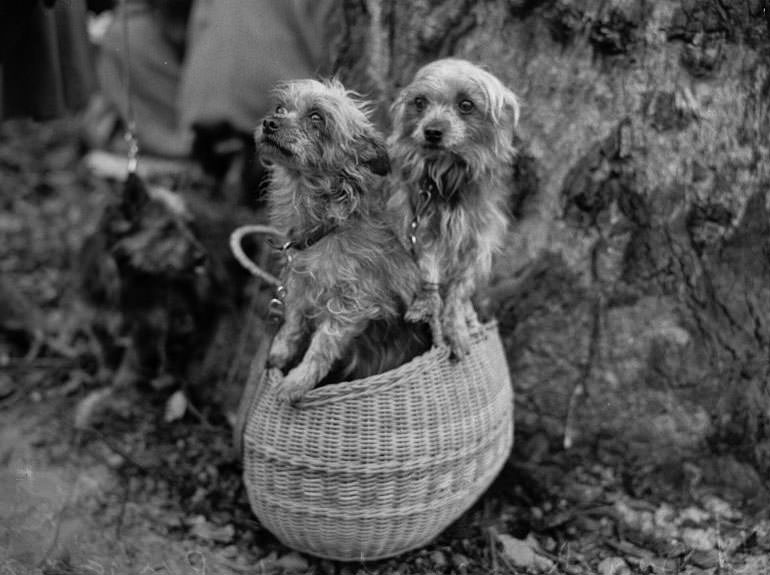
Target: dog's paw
{"x":458,"y":337}
{"x":277,"y":362}
{"x":420,"y":310}
{"x":460,"y":345}
{"x":295,"y":385}
{"x":280,"y":354}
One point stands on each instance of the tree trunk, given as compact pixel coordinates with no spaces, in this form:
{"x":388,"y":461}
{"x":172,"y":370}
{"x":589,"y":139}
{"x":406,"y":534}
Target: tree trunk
{"x":638,"y":269}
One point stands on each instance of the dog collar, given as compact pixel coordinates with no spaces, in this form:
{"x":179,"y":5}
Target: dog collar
{"x":278,"y":302}
{"x":302,"y":243}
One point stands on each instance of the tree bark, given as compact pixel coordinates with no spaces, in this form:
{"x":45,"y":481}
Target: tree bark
{"x":638,"y":268}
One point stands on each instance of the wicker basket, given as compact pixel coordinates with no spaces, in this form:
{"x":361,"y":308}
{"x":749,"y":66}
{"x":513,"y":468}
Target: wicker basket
{"x":371,"y":468}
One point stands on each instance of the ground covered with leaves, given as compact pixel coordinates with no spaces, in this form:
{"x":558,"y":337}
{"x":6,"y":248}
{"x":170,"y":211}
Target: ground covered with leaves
{"x":155,"y":487}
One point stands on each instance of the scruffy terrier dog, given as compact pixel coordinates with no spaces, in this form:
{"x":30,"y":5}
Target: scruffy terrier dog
{"x":451,"y":150}
{"x":156,"y":258}
{"x":348,"y":279}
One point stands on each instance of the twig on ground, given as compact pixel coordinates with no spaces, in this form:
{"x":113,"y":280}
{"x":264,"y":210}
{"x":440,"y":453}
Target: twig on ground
{"x":198,"y":414}
{"x":123,"y":505}
{"x":580,"y":388}
{"x":22,"y":363}
{"x":165,"y":473}
{"x":59,"y":518}
{"x":491,"y":539}
{"x":627,"y":548}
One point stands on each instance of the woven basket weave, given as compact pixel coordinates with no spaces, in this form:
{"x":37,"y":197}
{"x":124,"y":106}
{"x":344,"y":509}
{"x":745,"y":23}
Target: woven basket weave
{"x":371,"y":468}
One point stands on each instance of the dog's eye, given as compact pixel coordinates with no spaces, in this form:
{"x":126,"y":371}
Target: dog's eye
{"x":465,"y":106}
{"x":316,"y":117}
{"x":420,"y":103}
{"x":280,"y":110}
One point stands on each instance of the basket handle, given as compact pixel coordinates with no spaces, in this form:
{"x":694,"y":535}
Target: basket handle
{"x":235,"y":246}
{"x":258,"y":363}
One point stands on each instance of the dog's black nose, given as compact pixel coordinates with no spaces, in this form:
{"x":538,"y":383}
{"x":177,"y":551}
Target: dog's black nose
{"x":269,"y":126}
{"x":433,"y":135}
{"x":199,"y":258}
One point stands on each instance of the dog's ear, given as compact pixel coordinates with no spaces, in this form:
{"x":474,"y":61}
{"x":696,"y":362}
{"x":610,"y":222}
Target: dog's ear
{"x":511,"y":118}
{"x":511,"y":108}
{"x":397,"y":110}
{"x":374,"y":155}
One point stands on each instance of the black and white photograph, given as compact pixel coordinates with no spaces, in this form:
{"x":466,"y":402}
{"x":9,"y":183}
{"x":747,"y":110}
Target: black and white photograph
{"x":384,"y":287}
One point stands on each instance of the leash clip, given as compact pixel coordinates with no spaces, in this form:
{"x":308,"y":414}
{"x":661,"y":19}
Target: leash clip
{"x":284,"y":248}
{"x":425,"y":196}
{"x":413,"y":233}
{"x":277,"y":306}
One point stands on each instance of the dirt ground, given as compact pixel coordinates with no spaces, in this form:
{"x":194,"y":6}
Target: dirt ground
{"x":145,"y":492}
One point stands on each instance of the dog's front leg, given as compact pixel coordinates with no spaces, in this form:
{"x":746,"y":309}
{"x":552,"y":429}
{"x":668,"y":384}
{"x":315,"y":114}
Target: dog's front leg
{"x":286,"y":341}
{"x":427,"y":302}
{"x":328,"y":344}
{"x":454,"y":318}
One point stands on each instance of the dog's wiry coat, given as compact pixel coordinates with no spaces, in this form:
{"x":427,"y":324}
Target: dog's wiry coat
{"x":452,"y":135}
{"x":348,"y":286}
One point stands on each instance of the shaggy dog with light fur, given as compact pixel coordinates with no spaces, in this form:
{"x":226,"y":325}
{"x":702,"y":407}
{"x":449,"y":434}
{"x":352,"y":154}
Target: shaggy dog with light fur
{"x":451,"y":150}
{"x":348,"y":279}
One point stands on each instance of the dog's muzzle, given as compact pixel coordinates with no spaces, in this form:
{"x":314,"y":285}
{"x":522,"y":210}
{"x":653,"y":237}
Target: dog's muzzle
{"x":433,"y":136}
{"x":270,"y":126}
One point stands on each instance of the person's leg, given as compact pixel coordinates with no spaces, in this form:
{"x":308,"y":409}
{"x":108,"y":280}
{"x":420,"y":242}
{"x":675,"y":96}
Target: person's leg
{"x":45,"y":61}
{"x":238,"y":50}
{"x":155,"y":70}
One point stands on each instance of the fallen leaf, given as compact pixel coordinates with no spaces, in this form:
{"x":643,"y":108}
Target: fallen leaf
{"x":522,"y":552}
{"x":176,"y":407}
{"x":720,"y":508}
{"x":87,"y":407}
{"x":7,"y":386}
{"x":77,"y":379}
{"x":293,"y":563}
{"x":163,"y":382}
{"x":693,"y":516}
{"x":700,"y":539}
{"x":439,"y":559}
{"x":517,"y":551}
{"x":267,"y":565}
{"x":460,"y":562}
{"x":657,"y":566}
{"x":753,"y":566}
{"x":614,"y":566}
{"x":204,"y":529}
{"x":705,"y":559}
